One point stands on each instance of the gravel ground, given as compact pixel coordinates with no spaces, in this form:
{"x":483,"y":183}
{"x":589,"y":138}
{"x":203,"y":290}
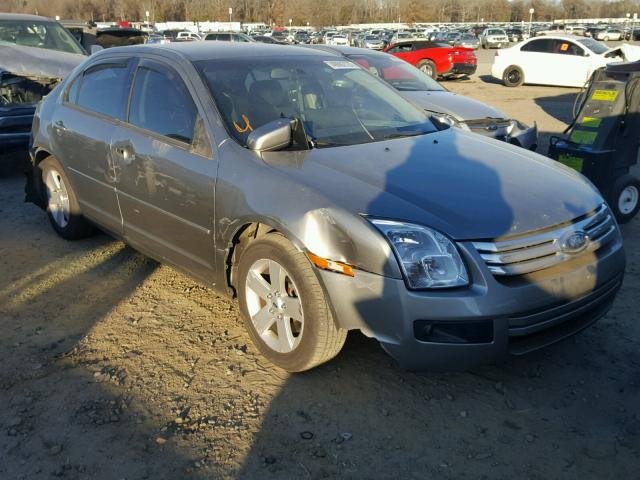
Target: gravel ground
{"x":115,"y":367}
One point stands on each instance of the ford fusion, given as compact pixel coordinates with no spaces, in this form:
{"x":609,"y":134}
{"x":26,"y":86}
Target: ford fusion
{"x":325,"y":202}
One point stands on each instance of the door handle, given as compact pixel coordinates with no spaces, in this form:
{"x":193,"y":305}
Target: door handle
{"x":58,"y":127}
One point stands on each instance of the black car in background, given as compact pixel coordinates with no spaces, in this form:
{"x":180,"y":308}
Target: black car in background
{"x":120,"y":37}
{"x":36,"y":54}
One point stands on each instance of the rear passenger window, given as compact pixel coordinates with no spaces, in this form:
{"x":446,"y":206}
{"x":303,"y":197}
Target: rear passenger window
{"x":103,"y":90}
{"x":162,"y":104}
{"x":544,"y":45}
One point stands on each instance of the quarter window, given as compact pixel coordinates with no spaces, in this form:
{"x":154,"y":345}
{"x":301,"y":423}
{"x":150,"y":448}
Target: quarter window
{"x":102,"y":89}
{"x":161,"y":103}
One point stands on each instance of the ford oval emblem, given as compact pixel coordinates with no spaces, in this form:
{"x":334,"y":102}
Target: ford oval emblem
{"x":574,"y":242}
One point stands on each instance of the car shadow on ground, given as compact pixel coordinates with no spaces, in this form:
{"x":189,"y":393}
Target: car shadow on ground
{"x":56,"y":412}
{"x":561,"y":107}
{"x":489,"y":79}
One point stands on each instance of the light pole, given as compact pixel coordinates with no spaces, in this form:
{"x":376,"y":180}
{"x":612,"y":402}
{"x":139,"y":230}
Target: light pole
{"x":531,"y":12}
{"x":230,"y":13}
{"x":290,"y":21}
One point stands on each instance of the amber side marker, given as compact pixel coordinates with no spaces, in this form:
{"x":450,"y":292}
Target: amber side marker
{"x":330,"y":265}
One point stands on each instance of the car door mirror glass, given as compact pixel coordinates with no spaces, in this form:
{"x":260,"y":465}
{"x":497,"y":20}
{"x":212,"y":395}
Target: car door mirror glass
{"x":272,"y":136}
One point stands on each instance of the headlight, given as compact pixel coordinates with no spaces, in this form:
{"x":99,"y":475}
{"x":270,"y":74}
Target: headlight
{"x":446,"y":120}
{"x":428,"y":259}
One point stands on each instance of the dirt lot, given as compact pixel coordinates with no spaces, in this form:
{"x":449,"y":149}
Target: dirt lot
{"x":114,"y":367}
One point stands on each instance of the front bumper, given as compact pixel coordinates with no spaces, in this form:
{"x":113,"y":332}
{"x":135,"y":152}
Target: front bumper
{"x":14,"y":142}
{"x":496,"y":43}
{"x":15,"y":130}
{"x":519,"y":315}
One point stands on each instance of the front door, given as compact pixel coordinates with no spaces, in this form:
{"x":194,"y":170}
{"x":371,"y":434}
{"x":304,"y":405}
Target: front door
{"x":167,"y":180}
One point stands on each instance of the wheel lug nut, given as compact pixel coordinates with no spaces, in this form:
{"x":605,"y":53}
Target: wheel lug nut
{"x":271,"y":310}
{"x":269,"y":295}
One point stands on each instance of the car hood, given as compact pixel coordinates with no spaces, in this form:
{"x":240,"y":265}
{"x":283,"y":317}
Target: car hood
{"x":39,"y":62}
{"x":630,"y":53}
{"x":462,"y":184}
{"x":462,"y":108}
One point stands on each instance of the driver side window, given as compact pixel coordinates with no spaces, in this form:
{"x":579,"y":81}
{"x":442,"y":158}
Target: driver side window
{"x":161,"y":103}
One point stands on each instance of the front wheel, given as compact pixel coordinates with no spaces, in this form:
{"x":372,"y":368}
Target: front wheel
{"x":428,"y":67}
{"x":284,"y":307}
{"x":625,"y":198}
{"x":513,"y":76}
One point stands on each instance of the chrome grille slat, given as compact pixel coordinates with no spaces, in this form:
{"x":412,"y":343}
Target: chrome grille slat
{"x":538,"y":251}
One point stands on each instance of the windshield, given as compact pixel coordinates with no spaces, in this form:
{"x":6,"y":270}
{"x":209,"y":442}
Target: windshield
{"x":336,"y":100}
{"x":397,"y":73}
{"x":593,"y":45}
{"x":40,"y":34}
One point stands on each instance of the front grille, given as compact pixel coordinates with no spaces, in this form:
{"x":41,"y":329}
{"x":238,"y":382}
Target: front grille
{"x":498,"y":127}
{"x":538,"y":251}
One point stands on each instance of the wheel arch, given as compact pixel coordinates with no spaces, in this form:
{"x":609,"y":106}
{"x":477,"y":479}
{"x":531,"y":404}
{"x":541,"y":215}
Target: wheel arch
{"x":247,"y":231}
{"x":34,"y":188}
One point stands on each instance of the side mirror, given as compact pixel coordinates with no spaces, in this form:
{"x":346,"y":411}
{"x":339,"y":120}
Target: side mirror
{"x":272,"y":136}
{"x":95,"y":48}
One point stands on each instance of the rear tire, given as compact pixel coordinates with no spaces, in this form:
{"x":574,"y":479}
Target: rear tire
{"x":428,"y":67}
{"x":513,"y":76}
{"x":302,"y":334}
{"x":625,"y":198}
{"x":61,"y":202}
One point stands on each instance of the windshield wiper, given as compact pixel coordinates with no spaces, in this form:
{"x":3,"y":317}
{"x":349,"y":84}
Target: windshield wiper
{"x":403,"y":134}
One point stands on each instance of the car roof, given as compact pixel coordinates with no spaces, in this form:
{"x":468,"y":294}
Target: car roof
{"x":344,"y":50}
{"x":196,"y":51}
{"x":23,"y":16}
{"x":575,"y":38}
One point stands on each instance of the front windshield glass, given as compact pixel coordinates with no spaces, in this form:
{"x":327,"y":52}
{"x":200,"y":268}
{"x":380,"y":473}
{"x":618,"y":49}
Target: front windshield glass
{"x":397,"y":73}
{"x":40,"y":34}
{"x":593,"y":45}
{"x":336,"y":100}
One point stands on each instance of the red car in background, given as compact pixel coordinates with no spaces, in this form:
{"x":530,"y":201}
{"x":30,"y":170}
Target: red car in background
{"x":436,"y":59}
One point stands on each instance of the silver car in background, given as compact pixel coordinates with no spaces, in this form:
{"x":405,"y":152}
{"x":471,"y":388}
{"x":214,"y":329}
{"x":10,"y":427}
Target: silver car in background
{"x":324,"y":202}
{"x":445,"y":106}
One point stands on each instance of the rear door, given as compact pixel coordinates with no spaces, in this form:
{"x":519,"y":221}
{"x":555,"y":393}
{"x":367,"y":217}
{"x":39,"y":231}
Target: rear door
{"x":93,"y":105}
{"x":166,"y":189}
{"x":536,"y":60}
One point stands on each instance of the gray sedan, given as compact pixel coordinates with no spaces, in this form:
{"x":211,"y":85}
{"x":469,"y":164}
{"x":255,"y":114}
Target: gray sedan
{"x":325,"y":202}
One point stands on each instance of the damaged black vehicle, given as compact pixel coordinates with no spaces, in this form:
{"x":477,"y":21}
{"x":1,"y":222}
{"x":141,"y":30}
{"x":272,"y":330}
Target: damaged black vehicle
{"x":36,"y":53}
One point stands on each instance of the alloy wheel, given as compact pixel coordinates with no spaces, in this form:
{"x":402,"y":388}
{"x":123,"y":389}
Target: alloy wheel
{"x":628,"y":200}
{"x":274,"y":305}
{"x":57,"y":198}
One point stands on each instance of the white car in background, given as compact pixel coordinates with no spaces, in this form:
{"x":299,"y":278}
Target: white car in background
{"x":610,"y":34}
{"x":561,"y":60}
{"x":494,"y":38}
{"x":339,"y":40}
{"x":188,"y":36}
